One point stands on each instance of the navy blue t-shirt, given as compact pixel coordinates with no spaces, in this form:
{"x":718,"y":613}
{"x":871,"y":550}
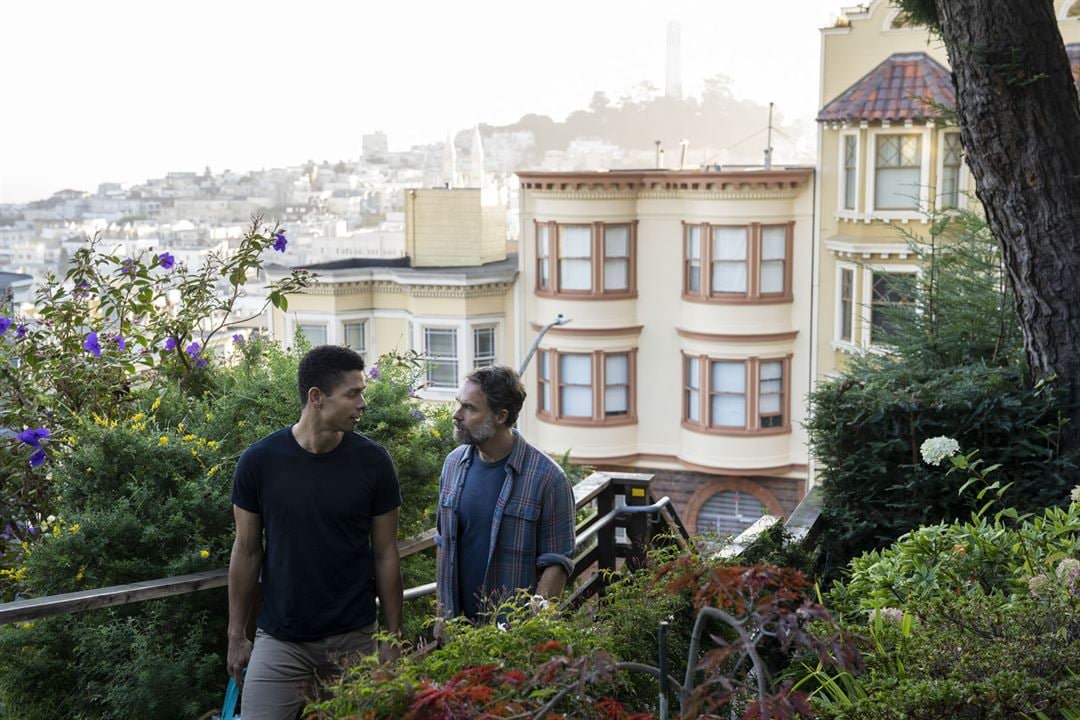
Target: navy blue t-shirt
{"x":318,"y":572}
{"x":476,"y":511}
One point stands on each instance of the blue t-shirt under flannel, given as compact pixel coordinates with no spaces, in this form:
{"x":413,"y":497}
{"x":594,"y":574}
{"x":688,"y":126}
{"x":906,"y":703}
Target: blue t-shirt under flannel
{"x":475,"y":514}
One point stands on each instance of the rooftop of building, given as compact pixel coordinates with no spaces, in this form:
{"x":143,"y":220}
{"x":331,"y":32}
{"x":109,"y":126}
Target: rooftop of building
{"x":400,"y":269}
{"x":905,"y":86}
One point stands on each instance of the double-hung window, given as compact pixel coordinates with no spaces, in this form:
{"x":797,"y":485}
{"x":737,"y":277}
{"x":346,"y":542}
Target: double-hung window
{"x":850,"y":176}
{"x":483,"y":346}
{"x":891,"y":293}
{"x":845,"y":316}
{"x":952,"y":162}
{"x":355,"y":336}
{"x":586,"y":388}
{"x":593,"y":260}
{"x":744,"y":263}
{"x":736,"y":396}
{"x":314,"y":333}
{"x":897,"y":172}
{"x":441,"y":354}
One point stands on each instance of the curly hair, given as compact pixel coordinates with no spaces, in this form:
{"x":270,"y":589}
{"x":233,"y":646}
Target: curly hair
{"x":503,"y":389}
{"x":325,"y":367}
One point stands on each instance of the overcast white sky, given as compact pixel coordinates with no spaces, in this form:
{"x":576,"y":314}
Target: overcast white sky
{"x":122,"y":91}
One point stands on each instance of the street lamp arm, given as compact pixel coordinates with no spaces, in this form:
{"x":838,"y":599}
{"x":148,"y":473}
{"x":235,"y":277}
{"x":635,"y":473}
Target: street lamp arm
{"x":559,"y":320}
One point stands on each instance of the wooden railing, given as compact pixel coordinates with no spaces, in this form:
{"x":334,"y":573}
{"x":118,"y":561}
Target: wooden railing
{"x":623,"y":520}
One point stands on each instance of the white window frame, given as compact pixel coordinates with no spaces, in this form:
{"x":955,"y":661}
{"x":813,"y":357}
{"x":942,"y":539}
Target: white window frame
{"x":838,"y":340}
{"x":841,"y":211}
{"x":868,"y":296}
{"x":458,"y":357}
{"x":924,"y":173}
{"x":369,"y":332}
{"x":494,"y":328}
{"x":962,"y":178}
{"x":464,"y":327}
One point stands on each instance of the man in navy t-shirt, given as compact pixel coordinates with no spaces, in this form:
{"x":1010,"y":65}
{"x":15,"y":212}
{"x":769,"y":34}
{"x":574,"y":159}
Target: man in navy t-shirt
{"x":506,"y":510}
{"x":325,"y":500}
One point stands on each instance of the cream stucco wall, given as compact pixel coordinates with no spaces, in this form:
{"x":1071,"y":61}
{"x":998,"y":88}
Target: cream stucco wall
{"x":660,"y":325}
{"x":460,"y":227}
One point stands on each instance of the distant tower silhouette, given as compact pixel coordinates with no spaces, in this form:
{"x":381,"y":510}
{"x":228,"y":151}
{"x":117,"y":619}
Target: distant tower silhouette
{"x":673,"y":88}
{"x":476,"y":160}
{"x":449,"y":162}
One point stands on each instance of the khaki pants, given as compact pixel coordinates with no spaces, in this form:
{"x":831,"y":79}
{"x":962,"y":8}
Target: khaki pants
{"x":281,"y":675}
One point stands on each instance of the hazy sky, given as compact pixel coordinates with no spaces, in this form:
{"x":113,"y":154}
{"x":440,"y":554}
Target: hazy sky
{"x":123,"y":91}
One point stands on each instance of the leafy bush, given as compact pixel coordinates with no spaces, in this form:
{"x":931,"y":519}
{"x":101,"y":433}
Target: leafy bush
{"x":147,"y":496}
{"x":955,"y":368}
{"x":967,"y":620}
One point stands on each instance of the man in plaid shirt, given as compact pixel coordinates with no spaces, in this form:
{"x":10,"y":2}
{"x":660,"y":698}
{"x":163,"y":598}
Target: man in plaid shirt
{"x":506,"y":510}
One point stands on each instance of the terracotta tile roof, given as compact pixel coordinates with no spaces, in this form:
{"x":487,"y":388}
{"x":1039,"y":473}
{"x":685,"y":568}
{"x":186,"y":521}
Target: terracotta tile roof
{"x":895,"y":90}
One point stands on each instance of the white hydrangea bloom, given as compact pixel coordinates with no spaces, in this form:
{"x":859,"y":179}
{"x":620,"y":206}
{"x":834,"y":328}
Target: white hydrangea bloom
{"x":936,"y":449}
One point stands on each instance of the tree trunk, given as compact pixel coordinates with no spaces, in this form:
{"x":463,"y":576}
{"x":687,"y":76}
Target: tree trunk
{"x":1020,"y":126}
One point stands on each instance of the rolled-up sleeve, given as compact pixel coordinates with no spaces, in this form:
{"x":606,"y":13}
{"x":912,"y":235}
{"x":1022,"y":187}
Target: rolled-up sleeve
{"x":555,"y":536}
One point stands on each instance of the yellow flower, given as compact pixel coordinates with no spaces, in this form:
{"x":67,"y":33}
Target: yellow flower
{"x":81,"y":574}
{"x":188,"y":438}
{"x":156,"y":405}
{"x":137,"y":417}
{"x":56,"y":531}
{"x":202,"y":441}
{"x":204,"y":554}
{"x":435,"y":433}
{"x":89,"y":469}
{"x":71,"y":439}
{"x":27,"y":625}
{"x":194,"y":452}
{"x":241,"y":424}
{"x":162,"y":441}
{"x":212,"y":444}
{"x":209,"y":416}
{"x":213,"y":471}
{"x":179,"y":427}
{"x":74,"y":528}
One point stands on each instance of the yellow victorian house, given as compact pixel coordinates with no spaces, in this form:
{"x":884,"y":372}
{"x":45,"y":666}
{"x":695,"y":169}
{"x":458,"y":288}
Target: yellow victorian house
{"x":688,"y":351}
{"x":450,"y":298}
{"x":887,"y":156}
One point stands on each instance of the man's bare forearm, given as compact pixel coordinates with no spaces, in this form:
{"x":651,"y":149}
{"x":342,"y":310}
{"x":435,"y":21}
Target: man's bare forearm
{"x":552,"y":582}
{"x":244,"y":567}
{"x":388,"y":587}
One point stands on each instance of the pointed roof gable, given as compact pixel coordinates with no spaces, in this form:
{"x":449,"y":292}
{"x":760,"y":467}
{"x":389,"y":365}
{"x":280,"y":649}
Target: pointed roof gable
{"x":906,"y":86}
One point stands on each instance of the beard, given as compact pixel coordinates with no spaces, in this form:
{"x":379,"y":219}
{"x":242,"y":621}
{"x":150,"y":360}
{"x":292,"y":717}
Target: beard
{"x":477,"y":435}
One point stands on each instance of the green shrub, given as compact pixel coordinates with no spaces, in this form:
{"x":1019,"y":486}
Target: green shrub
{"x":148,"y":496}
{"x":955,"y":368}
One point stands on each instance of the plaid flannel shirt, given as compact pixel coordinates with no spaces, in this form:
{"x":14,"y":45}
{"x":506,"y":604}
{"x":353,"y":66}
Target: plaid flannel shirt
{"x":532,"y":528}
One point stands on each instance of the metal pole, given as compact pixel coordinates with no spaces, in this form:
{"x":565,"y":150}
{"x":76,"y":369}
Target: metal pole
{"x":665,"y":685}
{"x":559,"y":320}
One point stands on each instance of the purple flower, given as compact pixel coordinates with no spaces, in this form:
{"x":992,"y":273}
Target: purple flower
{"x":34,"y":437}
{"x":120,"y":342}
{"x":418,"y":414}
{"x":92,"y":345}
{"x":280,"y":242}
{"x":170,"y":344}
{"x":5,"y":323}
{"x":128,"y":265}
{"x":374,"y":372}
{"x":201,"y":362}
{"x":192,"y":349}
{"x":20,"y":332}
{"x":238,"y":339}
{"x":166,"y":260}
{"x":82,"y":288}
{"x":37,"y":458}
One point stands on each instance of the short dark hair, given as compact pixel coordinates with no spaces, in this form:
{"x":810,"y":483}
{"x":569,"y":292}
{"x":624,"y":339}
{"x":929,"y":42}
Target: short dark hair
{"x":503,"y":389}
{"x":325,"y":367}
